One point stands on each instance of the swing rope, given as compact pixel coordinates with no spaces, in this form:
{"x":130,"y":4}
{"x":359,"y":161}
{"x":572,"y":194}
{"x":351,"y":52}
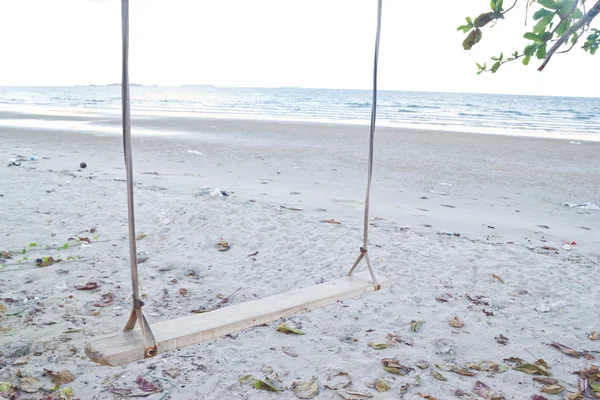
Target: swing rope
{"x":364,"y":253}
{"x":151,"y":349}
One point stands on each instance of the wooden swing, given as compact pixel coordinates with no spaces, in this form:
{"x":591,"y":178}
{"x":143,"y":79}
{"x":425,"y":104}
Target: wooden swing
{"x":131,"y":345}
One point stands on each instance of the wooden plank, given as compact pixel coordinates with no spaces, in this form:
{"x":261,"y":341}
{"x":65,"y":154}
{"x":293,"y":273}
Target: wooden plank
{"x":124,"y":347}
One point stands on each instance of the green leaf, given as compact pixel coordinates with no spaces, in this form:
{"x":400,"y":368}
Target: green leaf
{"x":34,"y":244}
{"x":541,"y":52}
{"x":543,"y":23}
{"x":574,"y":38}
{"x":379,"y":346}
{"x":267,"y":384}
{"x":23,"y":251}
{"x":485,"y":18}
{"x":563,"y":26}
{"x":499,"y":4}
{"x":479,"y":66}
{"x":577,"y":14}
{"x":496,"y":66}
{"x":464,"y":28}
{"x":501,"y":56}
{"x":530,"y":49}
{"x":532,"y":36}
{"x":469,"y":21}
{"x":546,"y":36}
{"x":533,"y":369}
{"x":547,"y":3}
{"x":526,"y":60}
{"x":66,"y":246}
{"x":541,"y":13}
{"x":473,"y":38}
{"x":416,"y":325}
{"x":287,"y":330}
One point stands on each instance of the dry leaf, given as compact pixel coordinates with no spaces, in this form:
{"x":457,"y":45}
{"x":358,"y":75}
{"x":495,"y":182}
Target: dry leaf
{"x":487,"y":366}
{"x":147,"y":386}
{"x":172,"y":372}
{"x":331,"y":221}
{"x":455,"y":368}
{"x":533,"y":369}
{"x":287,"y":330}
{"x":553,"y":389}
{"x":247,"y":380}
{"x":46,"y":262}
{"x":494,"y":276}
{"x":353,"y":395}
{"x":84,"y":239}
{"x":456,"y":322}
{"x":426,"y":396}
{"x":22,"y":360}
{"x":60,"y":378}
{"x":571,"y":352}
{"x":382,"y":386}
{"x":483,"y":390}
{"x":392,"y":365}
{"x":592,"y":336}
{"x":306,"y":390}
{"x":30,"y":384}
{"x":290,"y":351}
{"x":549,"y":248}
{"x":87,"y":286}
{"x":538,"y":397}
{"x":107,"y":300}
{"x":464,"y":395}
{"x":515,"y":360}
{"x":338,"y":381}
{"x":404,"y":388}
{"x":140,"y":237}
{"x":416,"y":325}
{"x":422,"y":364}
{"x":2,"y":308}
{"x":266,"y":384}
{"x":379,"y":346}
{"x":501,"y":339}
{"x":183,"y":292}
{"x":437,"y":375}
{"x":443,"y":298}
{"x":545,"y":381}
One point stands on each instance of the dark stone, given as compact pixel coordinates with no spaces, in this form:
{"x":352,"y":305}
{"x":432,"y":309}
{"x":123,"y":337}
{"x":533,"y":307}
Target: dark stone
{"x":82,"y":165}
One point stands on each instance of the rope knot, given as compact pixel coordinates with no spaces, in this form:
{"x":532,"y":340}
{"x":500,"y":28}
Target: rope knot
{"x":138,"y":303}
{"x":363,"y":250}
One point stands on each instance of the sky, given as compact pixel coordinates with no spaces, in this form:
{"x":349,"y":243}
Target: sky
{"x":273,"y":43}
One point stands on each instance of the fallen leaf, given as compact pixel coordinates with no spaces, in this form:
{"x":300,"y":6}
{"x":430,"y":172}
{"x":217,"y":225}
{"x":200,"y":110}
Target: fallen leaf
{"x":21,"y":361}
{"x":253,"y":254}
{"x":422,"y":364}
{"x":594,"y":383}
{"x":147,"y":386}
{"x":379,"y":346}
{"x":338,"y":381}
{"x":331,"y":221}
{"x":5,"y":386}
{"x":223,"y":245}
{"x":287,"y":330}
{"x":478,"y":300}
{"x":483,"y":390}
{"x":290,"y":351}
{"x":382,"y":386}
{"x":515,"y":360}
{"x":533,"y":369}
{"x":30,"y":384}
{"x":87,"y":286}
{"x":501,"y":339}
{"x":392,"y":365}
{"x":592,"y":336}
{"x":67,"y":394}
{"x":538,"y":397}
{"x":456,"y":322}
{"x":488,"y":313}
{"x":306,"y":390}
{"x":571,"y":352}
{"x":266,"y":384}
{"x":353,"y":395}
{"x":140,"y":237}
{"x":404,"y":388}
{"x":488,"y":366}
{"x":427,"y":396}
{"x":494,"y":276}
{"x":444,"y":298}
{"x":464,"y":395}
{"x":456,"y":369}
{"x":553,"y":389}
{"x":183,"y":292}
{"x":417,"y":380}
{"x":84,"y":239}
{"x":77,"y":330}
{"x":416,"y":325}
{"x":107,"y":300}
{"x":545,"y":381}
{"x":2,"y":308}
{"x":46,"y":262}
{"x":172,"y":372}
{"x":549,"y":248}
{"x":437,"y":375}
{"x":247,"y":380}
{"x":575,"y":396}
{"x":59,"y":378}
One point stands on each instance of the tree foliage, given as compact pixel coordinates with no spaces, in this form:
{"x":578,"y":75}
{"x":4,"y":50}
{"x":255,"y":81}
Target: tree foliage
{"x":558,"y":26}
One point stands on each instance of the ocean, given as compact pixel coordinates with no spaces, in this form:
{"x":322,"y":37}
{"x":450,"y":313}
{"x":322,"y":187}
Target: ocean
{"x":81,"y":107}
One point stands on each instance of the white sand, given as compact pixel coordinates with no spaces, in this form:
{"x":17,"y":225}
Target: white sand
{"x":513,"y":184}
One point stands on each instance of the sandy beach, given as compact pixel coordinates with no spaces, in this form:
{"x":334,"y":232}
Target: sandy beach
{"x":501,"y":195}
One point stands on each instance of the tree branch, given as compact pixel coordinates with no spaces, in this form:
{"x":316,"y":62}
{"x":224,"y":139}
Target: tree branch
{"x":511,"y":7}
{"x":586,"y":19}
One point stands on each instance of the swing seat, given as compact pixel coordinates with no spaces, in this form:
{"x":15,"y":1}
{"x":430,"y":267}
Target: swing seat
{"x":125,"y":347}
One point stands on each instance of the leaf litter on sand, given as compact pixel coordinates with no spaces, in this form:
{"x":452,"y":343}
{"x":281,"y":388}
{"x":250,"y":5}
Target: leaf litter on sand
{"x":487,"y":366}
{"x":392,"y":365}
{"x":306,"y":390}
{"x":553,"y":389}
{"x":290,"y":351}
{"x":515,"y":360}
{"x":87,"y":286}
{"x":455,"y":368}
{"x":30,"y":384}
{"x":382,"y":386}
{"x":287,"y":330}
{"x":59,"y":378}
{"x":538,"y":368}
{"x":338,"y":381}
{"x":571,"y":352}
{"x":456,"y":322}
{"x":437,"y":375}
{"x":379,"y":346}
{"x":422,"y":364}
{"x":484,"y":391}
{"x":494,"y":276}
{"x":416,"y":325}
{"x":501,"y":339}
{"x":594,"y":336}
{"x":267,"y":384}
{"x":147,"y":386}
{"x":353,"y":394}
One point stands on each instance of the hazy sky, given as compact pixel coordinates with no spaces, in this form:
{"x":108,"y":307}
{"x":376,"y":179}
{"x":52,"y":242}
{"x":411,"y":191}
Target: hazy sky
{"x":266,"y":43}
